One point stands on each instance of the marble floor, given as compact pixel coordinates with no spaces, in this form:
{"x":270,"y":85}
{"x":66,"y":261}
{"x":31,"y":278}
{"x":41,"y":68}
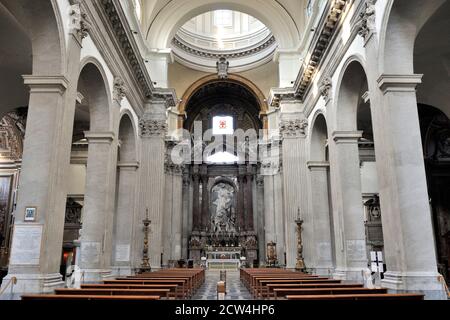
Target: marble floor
{"x":235,"y":289}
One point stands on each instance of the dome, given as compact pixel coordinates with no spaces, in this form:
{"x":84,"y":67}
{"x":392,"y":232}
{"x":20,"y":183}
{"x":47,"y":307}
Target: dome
{"x":242,"y":39}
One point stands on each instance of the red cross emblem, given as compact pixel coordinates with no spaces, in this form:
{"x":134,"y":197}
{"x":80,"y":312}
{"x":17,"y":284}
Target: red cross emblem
{"x":222,"y":124}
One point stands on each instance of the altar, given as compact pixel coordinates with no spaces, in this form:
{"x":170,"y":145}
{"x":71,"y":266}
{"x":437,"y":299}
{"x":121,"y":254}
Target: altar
{"x":224,"y":259}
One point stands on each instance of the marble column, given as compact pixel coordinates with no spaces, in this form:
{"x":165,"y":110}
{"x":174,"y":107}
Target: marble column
{"x":124,"y":218}
{"x":249,"y":223}
{"x":97,"y":212}
{"x":153,"y":126}
{"x":37,"y":245}
{"x":259,"y":218}
{"x":43,"y":183}
{"x":185,"y":215}
{"x":321,"y":258}
{"x":348,"y":215}
{"x":205,"y":202}
{"x":196,"y":221}
{"x":407,"y":223}
{"x":240,"y":202}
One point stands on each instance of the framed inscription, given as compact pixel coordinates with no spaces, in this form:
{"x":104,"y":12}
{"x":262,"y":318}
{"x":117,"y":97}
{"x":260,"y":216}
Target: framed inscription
{"x":30,"y":214}
{"x":26,"y":245}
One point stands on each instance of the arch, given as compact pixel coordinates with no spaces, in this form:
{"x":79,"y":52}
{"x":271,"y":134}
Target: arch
{"x":37,"y":47}
{"x":319,"y":136}
{"x":163,"y":28}
{"x":127,"y":138}
{"x":94,"y":86}
{"x":401,"y":24}
{"x":352,"y":81}
{"x":233,"y":78}
{"x":42,"y":22}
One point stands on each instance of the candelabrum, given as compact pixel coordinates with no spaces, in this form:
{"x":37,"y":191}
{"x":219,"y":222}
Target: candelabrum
{"x":300,"y":265}
{"x":145,"y":265}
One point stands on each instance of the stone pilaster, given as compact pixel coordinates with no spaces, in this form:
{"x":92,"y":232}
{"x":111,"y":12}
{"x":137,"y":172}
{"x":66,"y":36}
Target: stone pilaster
{"x":320,"y":254}
{"x":96,"y":235}
{"x":36,"y":246}
{"x":348,"y":215}
{"x":153,"y":127}
{"x":124,"y":217}
{"x":293,"y":127}
{"x":407,"y":225}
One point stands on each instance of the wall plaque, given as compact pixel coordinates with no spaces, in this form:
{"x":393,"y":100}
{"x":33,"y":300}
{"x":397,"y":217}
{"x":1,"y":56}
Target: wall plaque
{"x":356,"y":250}
{"x":26,"y":245}
{"x":122,"y":252}
{"x":90,"y":252}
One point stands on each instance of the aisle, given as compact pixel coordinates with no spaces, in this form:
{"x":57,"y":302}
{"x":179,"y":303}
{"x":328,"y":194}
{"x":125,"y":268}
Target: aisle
{"x":235,"y":289}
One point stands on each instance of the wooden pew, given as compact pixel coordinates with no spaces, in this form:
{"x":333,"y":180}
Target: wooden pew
{"x":283,"y":292}
{"x":174,"y":290}
{"x":268,"y":289}
{"x":358,"y":297}
{"x":85,"y":297}
{"x":259,"y":287}
{"x":180,"y":282}
{"x":163,"y":293}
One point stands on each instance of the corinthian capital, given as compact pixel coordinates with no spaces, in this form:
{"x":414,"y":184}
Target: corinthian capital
{"x":152,"y":128}
{"x":293,"y":128}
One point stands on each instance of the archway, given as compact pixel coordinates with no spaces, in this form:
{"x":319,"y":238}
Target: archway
{"x":348,"y":213}
{"x":92,"y":123}
{"x":322,"y":257}
{"x":124,"y":217}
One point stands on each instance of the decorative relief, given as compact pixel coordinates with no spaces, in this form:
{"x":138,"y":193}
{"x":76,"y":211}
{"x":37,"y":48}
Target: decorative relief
{"x":120,"y":90}
{"x":79,"y":21}
{"x":293,"y":128}
{"x":366,"y":24}
{"x":152,"y":128}
{"x":12,"y":134}
{"x":325,"y":88}
{"x":222,"y":68}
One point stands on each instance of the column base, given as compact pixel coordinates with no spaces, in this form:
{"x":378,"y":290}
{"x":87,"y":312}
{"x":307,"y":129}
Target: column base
{"x":31,"y":283}
{"x":348,"y":274}
{"x":95,"y":275}
{"x":427,"y":283}
{"x":122,"y":271}
{"x":323,"y":271}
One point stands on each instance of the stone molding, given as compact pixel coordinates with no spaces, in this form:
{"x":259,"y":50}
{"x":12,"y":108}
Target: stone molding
{"x":46,"y":84}
{"x":399,"y":82}
{"x":318,"y":49}
{"x":278,"y":95}
{"x":350,"y":137}
{"x":293,"y":128}
{"x":99,"y":137}
{"x":149,"y":128}
{"x":179,"y":43}
{"x":318,"y":165}
{"x":131,"y":165}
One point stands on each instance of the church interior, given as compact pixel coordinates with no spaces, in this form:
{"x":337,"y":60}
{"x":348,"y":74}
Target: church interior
{"x":224,"y":149}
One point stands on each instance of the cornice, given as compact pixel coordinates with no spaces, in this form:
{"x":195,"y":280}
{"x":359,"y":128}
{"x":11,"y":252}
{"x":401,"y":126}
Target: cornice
{"x":319,"y":46}
{"x":118,"y":23}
